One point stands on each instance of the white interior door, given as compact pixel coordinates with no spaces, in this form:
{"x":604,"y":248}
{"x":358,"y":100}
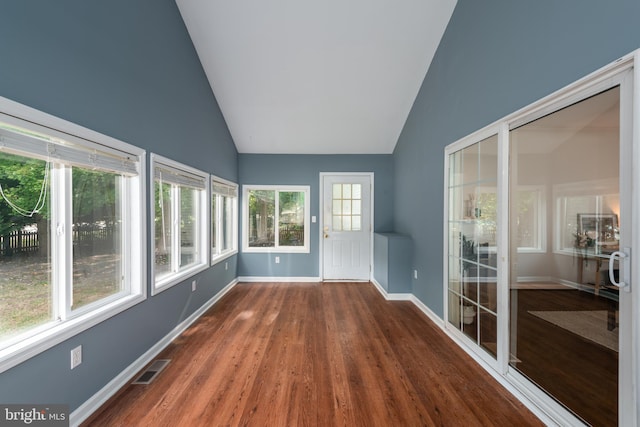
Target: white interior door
{"x":346,"y":226}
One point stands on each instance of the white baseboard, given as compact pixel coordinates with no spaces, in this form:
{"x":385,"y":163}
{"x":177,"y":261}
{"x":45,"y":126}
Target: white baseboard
{"x":390,"y":296}
{"x":97,"y":400}
{"x":428,"y":312}
{"x":269,"y":279}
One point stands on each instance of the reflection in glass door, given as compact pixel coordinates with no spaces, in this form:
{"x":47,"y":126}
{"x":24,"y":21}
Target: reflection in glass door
{"x":564,"y":307}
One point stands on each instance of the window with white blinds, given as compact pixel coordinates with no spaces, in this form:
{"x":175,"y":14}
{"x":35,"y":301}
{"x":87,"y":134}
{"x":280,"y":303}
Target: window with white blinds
{"x":72,"y":215}
{"x":180,"y":213}
{"x":224,"y":224}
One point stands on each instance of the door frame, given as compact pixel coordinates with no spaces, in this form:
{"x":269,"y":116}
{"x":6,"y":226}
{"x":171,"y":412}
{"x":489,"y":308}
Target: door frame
{"x":370,"y":176}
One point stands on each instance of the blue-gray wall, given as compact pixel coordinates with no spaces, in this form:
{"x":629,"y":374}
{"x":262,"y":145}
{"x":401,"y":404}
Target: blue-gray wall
{"x":126,"y":69}
{"x":496,"y":56}
{"x":305,"y":170}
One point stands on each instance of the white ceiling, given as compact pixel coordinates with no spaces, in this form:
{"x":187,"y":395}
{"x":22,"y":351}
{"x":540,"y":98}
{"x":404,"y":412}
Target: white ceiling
{"x":322,"y":77}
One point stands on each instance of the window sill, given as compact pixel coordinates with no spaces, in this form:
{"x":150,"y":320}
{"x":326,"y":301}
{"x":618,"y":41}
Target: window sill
{"x":59,"y":332}
{"x":172,"y":280}
{"x":281,"y":250}
{"x":221,"y":257}
{"x":531,"y":251}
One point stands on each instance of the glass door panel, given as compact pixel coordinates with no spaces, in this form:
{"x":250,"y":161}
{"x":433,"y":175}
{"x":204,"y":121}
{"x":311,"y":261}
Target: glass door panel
{"x":564,"y":216}
{"x":472,"y":275}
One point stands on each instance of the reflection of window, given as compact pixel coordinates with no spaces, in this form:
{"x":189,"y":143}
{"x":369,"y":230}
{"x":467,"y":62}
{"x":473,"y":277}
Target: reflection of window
{"x":530,"y":216}
{"x":224,"y":232}
{"x":485,"y":211}
{"x":276,"y":218}
{"x":574,"y":202}
{"x":530,"y":219}
{"x":71,"y":245}
{"x":180,"y":203}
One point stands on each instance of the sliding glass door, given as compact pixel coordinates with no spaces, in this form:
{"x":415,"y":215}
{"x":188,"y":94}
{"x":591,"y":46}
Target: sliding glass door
{"x":564,"y":304}
{"x":539,"y":250}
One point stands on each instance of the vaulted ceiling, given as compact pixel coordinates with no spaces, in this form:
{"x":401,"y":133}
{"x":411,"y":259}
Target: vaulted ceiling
{"x":322,"y":77}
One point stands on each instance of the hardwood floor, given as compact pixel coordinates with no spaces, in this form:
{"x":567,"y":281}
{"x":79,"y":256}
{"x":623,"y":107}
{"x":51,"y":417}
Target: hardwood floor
{"x":315,"y":354}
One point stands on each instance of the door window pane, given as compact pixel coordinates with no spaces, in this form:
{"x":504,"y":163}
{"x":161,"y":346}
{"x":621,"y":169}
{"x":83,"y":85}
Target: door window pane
{"x":347,"y":207}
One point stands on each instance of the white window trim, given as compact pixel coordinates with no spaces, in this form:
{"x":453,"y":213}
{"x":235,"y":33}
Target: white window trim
{"x":42,"y":338}
{"x":306,"y":189}
{"x":216,"y":216}
{"x":203,"y":225}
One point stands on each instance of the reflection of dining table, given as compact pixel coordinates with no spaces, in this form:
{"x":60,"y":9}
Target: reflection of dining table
{"x":601,"y":276}
{"x":602,"y":285}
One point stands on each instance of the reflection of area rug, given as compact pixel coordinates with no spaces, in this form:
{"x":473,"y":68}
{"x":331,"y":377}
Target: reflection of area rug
{"x":591,"y":325}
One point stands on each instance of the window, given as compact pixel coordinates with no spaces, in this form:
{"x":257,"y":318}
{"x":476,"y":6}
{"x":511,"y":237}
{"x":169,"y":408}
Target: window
{"x":276,"y":219}
{"x":180,"y":222}
{"x":71,"y":216}
{"x":224,"y":230}
{"x":346,"y":207}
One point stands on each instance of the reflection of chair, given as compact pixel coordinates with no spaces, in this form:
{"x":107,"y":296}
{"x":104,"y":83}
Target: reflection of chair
{"x":602,"y":278}
{"x":605,"y":288}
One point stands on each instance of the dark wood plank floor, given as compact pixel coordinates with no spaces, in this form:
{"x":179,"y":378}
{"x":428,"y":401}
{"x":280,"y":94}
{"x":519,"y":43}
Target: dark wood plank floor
{"x":582,"y":374}
{"x":321,"y":354}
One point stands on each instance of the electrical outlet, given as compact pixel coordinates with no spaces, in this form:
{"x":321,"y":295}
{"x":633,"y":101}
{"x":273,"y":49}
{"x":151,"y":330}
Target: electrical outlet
{"x":194,"y":285}
{"x":76,"y":356}
{"x":415,"y":274}
{"x":277,"y":260}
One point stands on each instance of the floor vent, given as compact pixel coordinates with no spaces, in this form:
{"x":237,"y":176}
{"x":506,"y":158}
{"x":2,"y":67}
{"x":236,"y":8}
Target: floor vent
{"x":152,"y":371}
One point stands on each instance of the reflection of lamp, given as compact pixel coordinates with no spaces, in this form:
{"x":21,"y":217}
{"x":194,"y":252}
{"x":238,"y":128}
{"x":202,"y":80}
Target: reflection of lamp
{"x":614,"y":206}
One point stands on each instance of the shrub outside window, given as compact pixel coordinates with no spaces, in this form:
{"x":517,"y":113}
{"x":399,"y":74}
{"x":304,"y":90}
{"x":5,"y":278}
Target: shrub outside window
{"x":180,"y":212}
{"x":276,"y":219}
{"x":71,"y":231}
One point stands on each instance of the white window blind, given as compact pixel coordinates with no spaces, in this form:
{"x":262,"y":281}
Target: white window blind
{"x":177,"y":176}
{"x":224,"y":189}
{"x":16,"y":141}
